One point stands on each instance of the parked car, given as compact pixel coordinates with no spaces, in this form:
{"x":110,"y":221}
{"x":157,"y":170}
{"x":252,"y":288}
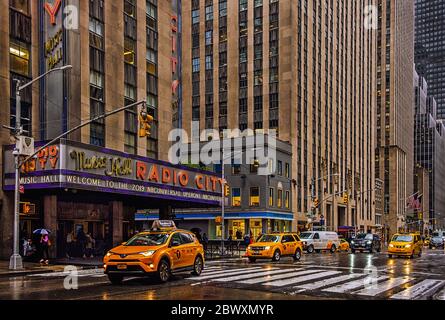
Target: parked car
{"x":436,"y":242}
{"x":317,"y":241}
{"x":366,"y":242}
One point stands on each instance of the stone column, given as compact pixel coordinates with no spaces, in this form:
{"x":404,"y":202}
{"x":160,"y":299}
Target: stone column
{"x":50,"y":221}
{"x":116,"y":222}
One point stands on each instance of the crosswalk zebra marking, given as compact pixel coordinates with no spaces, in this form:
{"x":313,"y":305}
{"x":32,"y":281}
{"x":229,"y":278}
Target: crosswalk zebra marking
{"x":328,"y":282}
{"x":206,"y":272}
{"x":242,"y":277}
{"x":211,"y":275}
{"x":382,"y":287}
{"x":279,"y":277}
{"x":295,"y":280}
{"x":419,"y":290}
{"x":343,"y":288}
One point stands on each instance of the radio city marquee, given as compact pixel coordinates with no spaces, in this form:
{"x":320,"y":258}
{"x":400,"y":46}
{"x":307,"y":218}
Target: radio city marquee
{"x":77,"y":166}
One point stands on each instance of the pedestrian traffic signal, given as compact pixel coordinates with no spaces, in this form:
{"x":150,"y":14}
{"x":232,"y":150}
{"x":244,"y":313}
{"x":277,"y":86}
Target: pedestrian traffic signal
{"x":27,"y":208}
{"x":316,"y":203}
{"x":345,"y":198}
{"x":145,"y":122}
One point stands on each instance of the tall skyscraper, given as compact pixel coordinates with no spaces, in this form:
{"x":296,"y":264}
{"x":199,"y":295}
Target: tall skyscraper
{"x":430,"y":48}
{"x":304,"y":68}
{"x":395,"y":114}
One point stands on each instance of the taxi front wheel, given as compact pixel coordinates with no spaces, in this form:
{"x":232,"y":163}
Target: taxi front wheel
{"x":276,"y":256}
{"x":297,"y":256}
{"x":115,"y":279}
{"x":198,"y":266}
{"x":164,"y":271}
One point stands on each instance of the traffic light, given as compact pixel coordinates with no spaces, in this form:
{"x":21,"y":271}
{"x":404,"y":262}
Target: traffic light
{"x":145,"y":122}
{"x":345,"y":198}
{"x":27,"y":208}
{"x":226,"y":190}
{"x":316,"y":203}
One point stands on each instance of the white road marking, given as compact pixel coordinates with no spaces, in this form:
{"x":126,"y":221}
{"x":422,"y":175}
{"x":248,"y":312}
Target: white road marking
{"x":441,"y":295}
{"x":419,"y":290}
{"x":225,"y":273}
{"x":217,"y":272}
{"x":80,"y":273}
{"x":249,"y":276}
{"x":329,"y":282}
{"x":342,"y":288}
{"x":383,"y":287}
{"x":281,"y":283}
{"x":279,"y":277}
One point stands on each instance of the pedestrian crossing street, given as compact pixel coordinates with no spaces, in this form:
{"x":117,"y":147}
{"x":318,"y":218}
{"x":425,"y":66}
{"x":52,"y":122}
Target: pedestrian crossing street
{"x":319,"y":281}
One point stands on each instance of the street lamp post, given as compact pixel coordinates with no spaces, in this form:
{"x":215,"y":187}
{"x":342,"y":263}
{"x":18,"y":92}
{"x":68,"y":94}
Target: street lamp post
{"x":15,"y":262}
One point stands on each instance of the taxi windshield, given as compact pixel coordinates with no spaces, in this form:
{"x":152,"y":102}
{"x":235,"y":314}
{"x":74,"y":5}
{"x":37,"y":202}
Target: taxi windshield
{"x":402,"y":238}
{"x":151,"y":239}
{"x":269,"y":238}
{"x":365,"y":236}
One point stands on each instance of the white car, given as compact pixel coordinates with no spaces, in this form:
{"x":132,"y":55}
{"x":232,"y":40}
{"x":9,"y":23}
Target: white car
{"x":317,"y":241}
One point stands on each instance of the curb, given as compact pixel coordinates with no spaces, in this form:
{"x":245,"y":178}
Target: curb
{"x":43,"y":271}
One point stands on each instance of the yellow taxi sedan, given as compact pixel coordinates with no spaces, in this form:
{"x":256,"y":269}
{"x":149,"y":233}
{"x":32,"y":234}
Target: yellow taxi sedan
{"x":160,"y":252}
{"x":344,"y":246}
{"x":405,"y":244}
{"x":274,"y":246}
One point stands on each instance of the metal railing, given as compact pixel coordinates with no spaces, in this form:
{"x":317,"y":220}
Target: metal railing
{"x":232,"y":249}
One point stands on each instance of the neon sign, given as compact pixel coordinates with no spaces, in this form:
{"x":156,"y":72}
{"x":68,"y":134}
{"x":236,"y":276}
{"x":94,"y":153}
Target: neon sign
{"x":52,"y":10}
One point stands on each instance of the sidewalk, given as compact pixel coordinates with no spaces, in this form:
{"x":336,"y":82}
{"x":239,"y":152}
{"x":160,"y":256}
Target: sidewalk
{"x":57,"y":265}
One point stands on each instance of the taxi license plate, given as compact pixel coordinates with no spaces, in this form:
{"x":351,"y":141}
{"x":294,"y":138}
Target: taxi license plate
{"x":257,"y":253}
{"x":122,"y":267}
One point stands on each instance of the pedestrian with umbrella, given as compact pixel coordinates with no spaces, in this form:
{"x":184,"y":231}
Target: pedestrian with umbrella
{"x":44,"y":245}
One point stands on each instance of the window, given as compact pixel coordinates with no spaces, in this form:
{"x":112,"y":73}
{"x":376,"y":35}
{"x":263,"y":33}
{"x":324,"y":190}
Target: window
{"x":255,"y":197}
{"x":195,"y":63}
{"x":129,"y":51}
{"x":242,"y":5}
{"x":271,"y":197}
{"x":236,"y":197}
{"x":195,"y":16}
{"x":280,"y":168}
{"x":236,"y":169}
{"x":209,"y":62}
{"x":209,"y":13}
{"x":209,"y":37}
{"x":20,"y":5}
{"x":287,"y":170}
{"x":223,"y":8}
{"x":287,"y":200}
{"x":280,"y":198}
{"x":19,"y":59}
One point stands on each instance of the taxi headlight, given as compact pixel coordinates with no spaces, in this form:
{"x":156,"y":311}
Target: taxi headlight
{"x":148,"y":253}
{"x":266,"y":248}
{"x":352,"y":242}
{"x":408,"y":246}
{"x":391,"y":246}
{"x":109,"y":254}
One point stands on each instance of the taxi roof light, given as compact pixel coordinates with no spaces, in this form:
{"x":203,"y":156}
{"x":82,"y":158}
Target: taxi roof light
{"x":163,"y":225}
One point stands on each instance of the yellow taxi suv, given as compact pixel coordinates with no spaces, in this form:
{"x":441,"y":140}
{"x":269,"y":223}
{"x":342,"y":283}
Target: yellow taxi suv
{"x":405,"y":244}
{"x":274,"y":246}
{"x":160,"y":252}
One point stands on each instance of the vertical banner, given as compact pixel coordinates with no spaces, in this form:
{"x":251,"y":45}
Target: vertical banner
{"x":176,"y":63}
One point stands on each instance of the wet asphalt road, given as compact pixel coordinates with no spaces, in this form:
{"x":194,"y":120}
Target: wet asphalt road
{"x":319,"y":276}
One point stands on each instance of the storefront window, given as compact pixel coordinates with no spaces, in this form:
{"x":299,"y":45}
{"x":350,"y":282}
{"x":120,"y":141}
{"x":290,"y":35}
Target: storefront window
{"x":280,"y":198}
{"x":256,"y":227}
{"x":236,"y":197}
{"x":237,"y":229}
{"x":255,"y":197}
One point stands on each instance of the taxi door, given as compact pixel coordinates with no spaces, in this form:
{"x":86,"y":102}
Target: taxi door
{"x":176,"y":251}
{"x":289,"y":245}
{"x":190,"y":249}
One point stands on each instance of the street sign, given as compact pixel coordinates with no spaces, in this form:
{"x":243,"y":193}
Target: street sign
{"x":22,"y":189}
{"x":25,"y":146}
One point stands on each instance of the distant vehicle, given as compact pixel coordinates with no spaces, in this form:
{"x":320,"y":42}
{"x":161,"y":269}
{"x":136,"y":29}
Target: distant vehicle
{"x":317,"y":241}
{"x":405,"y":244}
{"x":439,"y":234}
{"x":366,"y":242}
{"x":344,"y":245}
{"x":274,"y":246}
{"x":436,"y":242}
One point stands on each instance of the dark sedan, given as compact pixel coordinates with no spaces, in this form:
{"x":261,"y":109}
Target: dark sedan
{"x":436,"y":242}
{"x":366,"y":242}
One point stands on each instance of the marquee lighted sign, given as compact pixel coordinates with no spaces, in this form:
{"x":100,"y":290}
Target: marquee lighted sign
{"x":52,"y":10}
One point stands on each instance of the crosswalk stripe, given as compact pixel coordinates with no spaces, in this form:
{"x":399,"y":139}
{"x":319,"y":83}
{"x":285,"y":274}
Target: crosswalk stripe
{"x":225,"y":273}
{"x":249,"y":276}
{"x":379,"y":288}
{"x":342,"y":288}
{"x":418,"y":290}
{"x":215,"y":273}
{"x":279,"y":277}
{"x":329,"y":282}
{"x":281,"y":283}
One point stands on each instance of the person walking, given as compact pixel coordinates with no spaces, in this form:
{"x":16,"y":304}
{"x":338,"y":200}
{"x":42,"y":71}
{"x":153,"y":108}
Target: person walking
{"x":205,"y":241}
{"x":45,"y":243}
{"x":82,"y":240}
{"x":69,"y":244}
{"x":89,"y":245}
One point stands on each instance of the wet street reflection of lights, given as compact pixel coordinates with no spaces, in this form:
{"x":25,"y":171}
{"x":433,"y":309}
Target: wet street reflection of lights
{"x":352,"y":262}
